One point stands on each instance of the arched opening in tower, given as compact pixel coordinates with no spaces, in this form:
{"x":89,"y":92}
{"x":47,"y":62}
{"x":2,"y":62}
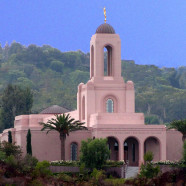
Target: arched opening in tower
{"x":108,"y":61}
{"x":92,"y":62}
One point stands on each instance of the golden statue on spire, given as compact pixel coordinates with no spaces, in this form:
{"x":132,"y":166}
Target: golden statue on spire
{"x":104,"y":10}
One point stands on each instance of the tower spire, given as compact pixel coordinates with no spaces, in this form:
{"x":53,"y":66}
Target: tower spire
{"x":104,"y":11}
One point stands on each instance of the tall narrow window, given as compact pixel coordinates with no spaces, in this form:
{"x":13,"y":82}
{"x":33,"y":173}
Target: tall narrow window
{"x":133,"y":152}
{"x":92,"y":62}
{"x":74,"y":149}
{"x":108,"y":61}
{"x":110,"y":106}
{"x":83,"y":108}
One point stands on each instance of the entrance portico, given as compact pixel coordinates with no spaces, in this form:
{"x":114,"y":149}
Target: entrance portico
{"x":133,"y":141}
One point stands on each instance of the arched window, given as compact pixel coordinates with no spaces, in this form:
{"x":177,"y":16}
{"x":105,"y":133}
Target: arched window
{"x":108,"y":61}
{"x":83,"y":108}
{"x":74,"y":148}
{"x":110,"y":105}
{"x":92,"y":62}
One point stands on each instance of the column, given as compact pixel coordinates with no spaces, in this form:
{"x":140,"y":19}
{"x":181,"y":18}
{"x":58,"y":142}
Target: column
{"x":141,"y":152}
{"x":121,"y":151}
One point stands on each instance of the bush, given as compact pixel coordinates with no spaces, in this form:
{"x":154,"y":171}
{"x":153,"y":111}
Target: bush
{"x":112,"y":163}
{"x":97,"y":176}
{"x":12,"y":167}
{"x":28,"y":163}
{"x":11,"y":161}
{"x":94,"y":153}
{"x":11,"y":149}
{"x":42,"y":169}
{"x":149,"y":171}
{"x":2,"y":156}
{"x":184,"y":151}
{"x":115,"y":181}
{"x":148,"y":157}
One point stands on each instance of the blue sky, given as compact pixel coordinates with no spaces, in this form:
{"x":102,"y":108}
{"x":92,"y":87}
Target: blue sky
{"x":151,"y":31}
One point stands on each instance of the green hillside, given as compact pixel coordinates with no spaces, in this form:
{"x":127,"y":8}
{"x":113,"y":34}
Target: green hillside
{"x":54,"y":76}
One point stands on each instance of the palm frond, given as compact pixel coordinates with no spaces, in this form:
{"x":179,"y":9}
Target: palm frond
{"x":63,"y":124}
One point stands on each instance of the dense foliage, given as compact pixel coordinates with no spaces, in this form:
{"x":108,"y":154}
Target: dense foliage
{"x":184,"y":151}
{"x":54,"y":75}
{"x":94,"y":153}
{"x":10,"y":149}
{"x":15,"y":101}
{"x":148,"y":170}
{"x":179,"y":125}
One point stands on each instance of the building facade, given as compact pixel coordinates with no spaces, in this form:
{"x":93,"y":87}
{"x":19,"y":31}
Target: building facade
{"x":107,"y":106}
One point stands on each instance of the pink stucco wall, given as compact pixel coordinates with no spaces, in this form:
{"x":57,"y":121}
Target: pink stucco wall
{"x":174,"y":145}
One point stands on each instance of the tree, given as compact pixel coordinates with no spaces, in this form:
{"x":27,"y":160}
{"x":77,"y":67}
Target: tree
{"x":184,"y":151}
{"x":148,"y":156}
{"x":148,"y":170}
{"x":15,"y":101}
{"x":152,"y":119}
{"x":179,"y":125}
{"x":94,"y":153}
{"x":9,"y":136}
{"x":28,"y":143}
{"x":63,"y":124}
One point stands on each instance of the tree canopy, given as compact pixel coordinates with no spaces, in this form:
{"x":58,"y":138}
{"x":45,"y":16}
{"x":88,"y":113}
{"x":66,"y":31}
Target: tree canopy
{"x":179,"y":125}
{"x":94,"y":153}
{"x":15,"y":101}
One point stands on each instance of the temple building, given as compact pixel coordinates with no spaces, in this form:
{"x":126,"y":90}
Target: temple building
{"x":107,"y":106}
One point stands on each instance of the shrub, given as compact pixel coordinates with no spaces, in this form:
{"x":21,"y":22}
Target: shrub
{"x":112,"y":163}
{"x":97,"y":176}
{"x":36,"y":182}
{"x":184,"y":151}
{"x":28,"y":163}
{"x":11,"y":161}
{"x":149,"y":171}
{"x":42,"y":169}
{"x":12,"y":167}
{"x":148,"y":157}
{"x":94,"y":153}
{"x":2,"y":156}
{"x":115,"y":181}
{"x":11,"y":149}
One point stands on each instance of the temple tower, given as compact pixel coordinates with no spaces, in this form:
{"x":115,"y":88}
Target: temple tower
{"x":105,"y":95}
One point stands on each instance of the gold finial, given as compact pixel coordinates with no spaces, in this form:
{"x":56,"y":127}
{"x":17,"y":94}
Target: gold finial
{"x":104,"y":10}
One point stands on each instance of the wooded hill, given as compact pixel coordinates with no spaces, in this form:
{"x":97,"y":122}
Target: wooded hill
{"x":53,"y":76}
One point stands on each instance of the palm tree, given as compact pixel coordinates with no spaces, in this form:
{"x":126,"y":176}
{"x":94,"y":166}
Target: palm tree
{"x":179,"y":125}
{"x":63,"y":124}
